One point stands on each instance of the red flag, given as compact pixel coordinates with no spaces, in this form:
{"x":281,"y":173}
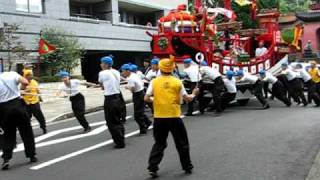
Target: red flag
{"x":45,"y":47}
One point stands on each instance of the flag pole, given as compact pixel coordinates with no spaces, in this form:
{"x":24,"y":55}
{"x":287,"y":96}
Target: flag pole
{"x":38,"y":64}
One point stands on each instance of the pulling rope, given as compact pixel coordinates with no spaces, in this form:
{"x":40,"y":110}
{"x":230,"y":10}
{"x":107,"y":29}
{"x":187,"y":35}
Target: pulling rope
{"x":57,"y":89}
{"x":42,"y":94}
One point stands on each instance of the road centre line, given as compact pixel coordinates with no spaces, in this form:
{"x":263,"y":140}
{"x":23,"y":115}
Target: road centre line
{"x":88,"y":149}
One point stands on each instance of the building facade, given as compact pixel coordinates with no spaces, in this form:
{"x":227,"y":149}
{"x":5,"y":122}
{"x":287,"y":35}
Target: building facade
{"x":103,"y":27}
{"x":311,"y":23}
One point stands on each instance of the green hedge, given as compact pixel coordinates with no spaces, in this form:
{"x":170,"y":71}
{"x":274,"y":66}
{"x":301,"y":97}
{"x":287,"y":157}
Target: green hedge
{"x":48,"y":79}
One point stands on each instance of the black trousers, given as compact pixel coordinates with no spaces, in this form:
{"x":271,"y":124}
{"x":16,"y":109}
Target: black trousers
{"x":312,"y":91}
{"x":78,"y":108}
{"x":256,"y":90}
{"x":112,"y":112}
{"x":35,"y":110}
{"x":227,"y":98}
{"x":124,"y":109}
{"x":279,"y":91}
{"x":318,"y":87}
{"x":14,"y":116}
{"x":216,"y":89}
{"x":217,"y":93}
{"x":295,"y":89}
{"x":138,"y":106}
{"x":190,"y":104}
{"x":266,"y":89}
{"x":203,"y":101}
{"x":161,"y":129}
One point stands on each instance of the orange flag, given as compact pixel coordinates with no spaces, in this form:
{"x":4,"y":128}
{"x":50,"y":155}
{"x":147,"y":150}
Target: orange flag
{"x":298,"y":30}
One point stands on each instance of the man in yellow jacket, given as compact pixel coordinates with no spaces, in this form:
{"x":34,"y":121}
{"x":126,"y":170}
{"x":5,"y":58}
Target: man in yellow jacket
{"x":32,"y":99}
{"x":166,"y":93}
{"x":315,"y":74}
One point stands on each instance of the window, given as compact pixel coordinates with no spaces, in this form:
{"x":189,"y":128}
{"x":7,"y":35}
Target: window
{"x":31,"y":6}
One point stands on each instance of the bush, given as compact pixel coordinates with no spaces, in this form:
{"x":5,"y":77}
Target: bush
{"x":48,"y":79}
{"x":288,"y":35}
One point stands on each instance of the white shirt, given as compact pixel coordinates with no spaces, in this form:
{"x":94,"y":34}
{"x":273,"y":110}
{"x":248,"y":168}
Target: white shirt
{"x":71,"y":90}
{"x":249,"y":78}
{"x":209,"y":72}
{"x":110,"y":79}
{"x":230,"y":84}
{"x":135,"y":82}
{"x":304,"y":75}
{"x":193,"y":73}
{"x":12,"y":81}
{"x":150,"y":90}
{"x":290,"y":75}
{"x":270,"y":78}
{"x":261,"y":51}
{"x":151,"y":74}
{"x":140,"y":74}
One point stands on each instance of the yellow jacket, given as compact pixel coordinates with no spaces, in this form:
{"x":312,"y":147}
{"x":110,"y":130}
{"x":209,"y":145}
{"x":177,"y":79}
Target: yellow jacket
{"x":314,"y":73}
{"x":167,"y":97}
{"x":32,"y":88}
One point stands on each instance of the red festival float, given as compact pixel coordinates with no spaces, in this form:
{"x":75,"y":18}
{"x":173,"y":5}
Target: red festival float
{"x":225,"y":46}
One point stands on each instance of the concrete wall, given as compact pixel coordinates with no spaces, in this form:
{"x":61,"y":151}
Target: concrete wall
{"x":94,"y":35}
{"x":167,"y":4}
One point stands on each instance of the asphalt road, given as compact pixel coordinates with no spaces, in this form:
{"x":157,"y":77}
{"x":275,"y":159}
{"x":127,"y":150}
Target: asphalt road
{"x":244,"y":143}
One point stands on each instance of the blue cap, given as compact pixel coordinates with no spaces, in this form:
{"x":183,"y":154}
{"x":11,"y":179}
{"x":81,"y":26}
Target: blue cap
{"x":126,"y":67}
{"x":203,"y":63}
{"x":262,"y":73}
{"x":63,"y":74}
{"x":240,"y":73}
{"x":187,"y":61}
{"x":107,"y":60}
{"x":134,"y":68}
{"x":229,"y":74}
{"x":155,"y":61}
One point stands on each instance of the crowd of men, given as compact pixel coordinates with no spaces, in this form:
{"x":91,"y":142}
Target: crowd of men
{"x":160,"y":86}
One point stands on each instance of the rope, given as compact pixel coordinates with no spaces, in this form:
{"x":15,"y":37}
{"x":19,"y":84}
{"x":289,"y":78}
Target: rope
{"x":57,"y":89}
{"x":32,"y":94}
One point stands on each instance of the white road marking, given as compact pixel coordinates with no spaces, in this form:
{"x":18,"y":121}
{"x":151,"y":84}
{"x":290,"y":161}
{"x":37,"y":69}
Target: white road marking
{"x":76,"y":153}
{"x":73,"y":118}
{"x":195,"y":112}
{"x":129,"y":104}
{"x":70,"y":138}
{"x":88,"y":149}
{"x":20,"y":147}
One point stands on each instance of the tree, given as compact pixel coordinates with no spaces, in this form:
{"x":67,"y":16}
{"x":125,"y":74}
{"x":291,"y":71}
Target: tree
{"x":244,"y":15}
{"x":268,"y":4}
{"x":68,"y":53}
{"x":10,"y":43}
{"x":294,"y":6}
